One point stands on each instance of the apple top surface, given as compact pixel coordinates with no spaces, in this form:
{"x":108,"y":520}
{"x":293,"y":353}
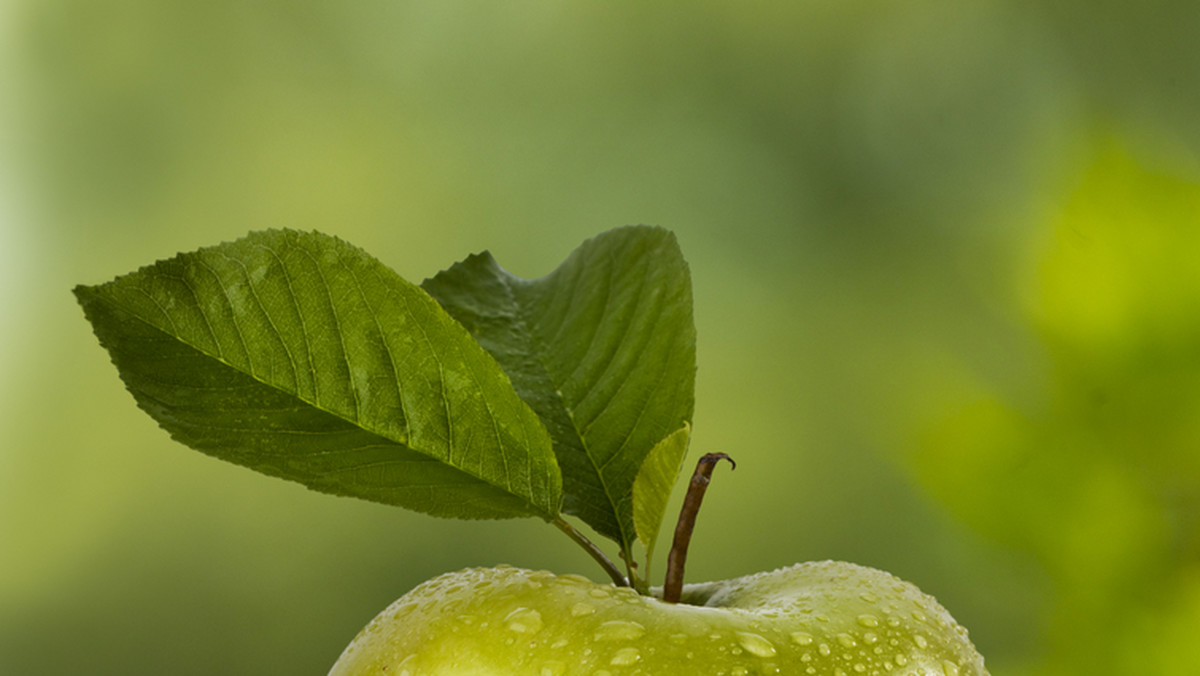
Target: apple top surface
{"x":812,"y":619}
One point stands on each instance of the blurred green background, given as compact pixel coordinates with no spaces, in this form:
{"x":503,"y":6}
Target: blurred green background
{"x":946,"y":260}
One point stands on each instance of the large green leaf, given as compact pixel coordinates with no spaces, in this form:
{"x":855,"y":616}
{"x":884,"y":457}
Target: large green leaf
{"x":300,"y":356}
{"x":603,"y":349}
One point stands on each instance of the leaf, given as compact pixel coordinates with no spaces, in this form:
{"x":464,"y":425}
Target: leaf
{"x":603,"y":349}
{"x":300,"y":356}
{"x":653,"y":485}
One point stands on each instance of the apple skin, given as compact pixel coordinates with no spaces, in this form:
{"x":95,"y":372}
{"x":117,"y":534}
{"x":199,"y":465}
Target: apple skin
{"x":813,"y":619}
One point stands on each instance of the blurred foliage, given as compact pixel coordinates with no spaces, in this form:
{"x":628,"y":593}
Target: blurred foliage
{"x":943,"y":257}
{"x":1098,"y":474}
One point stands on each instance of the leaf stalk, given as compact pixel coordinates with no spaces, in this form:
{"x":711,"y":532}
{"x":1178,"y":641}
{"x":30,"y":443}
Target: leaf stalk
{"x":636,"y":582}
{"x":590,"y":547}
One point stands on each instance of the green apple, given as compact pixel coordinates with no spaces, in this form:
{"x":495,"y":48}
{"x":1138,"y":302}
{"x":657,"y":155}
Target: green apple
{"x":816,"y":619}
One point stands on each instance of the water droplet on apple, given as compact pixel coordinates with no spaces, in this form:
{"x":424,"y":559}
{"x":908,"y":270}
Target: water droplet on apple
{"x":598,"y":593}
{"x":553,"y":668}
{"x":871,"y":637}
{"x":901,"y":660}
{"x":755,"y":644}
{"x":846,"y":640}
{"x":802,"y":638}
{"x":921,"y":642}
{"x":919,"y":616}
{"x":524,"y":620}
{"x":949,"y":668}
{"x":868,"y":620}
{"x":619,"y":630}
{"x":824,"y":650}
{"x":627,"y":656}
{"x":582,"y":609}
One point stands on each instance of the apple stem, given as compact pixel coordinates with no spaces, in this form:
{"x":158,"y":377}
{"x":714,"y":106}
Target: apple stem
{"x":673,"y":588}
{"x":593,"y":551}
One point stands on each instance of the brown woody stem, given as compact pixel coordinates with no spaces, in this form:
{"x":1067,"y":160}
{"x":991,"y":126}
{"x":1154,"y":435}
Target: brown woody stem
{"x":673,"y":588}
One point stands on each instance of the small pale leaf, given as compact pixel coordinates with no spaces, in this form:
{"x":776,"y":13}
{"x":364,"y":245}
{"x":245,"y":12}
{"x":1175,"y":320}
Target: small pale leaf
{"x":653,"y":486}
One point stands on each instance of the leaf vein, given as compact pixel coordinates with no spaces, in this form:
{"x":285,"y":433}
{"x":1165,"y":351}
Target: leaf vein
{"x":308,"y":351}
{"x":278,"y":335}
